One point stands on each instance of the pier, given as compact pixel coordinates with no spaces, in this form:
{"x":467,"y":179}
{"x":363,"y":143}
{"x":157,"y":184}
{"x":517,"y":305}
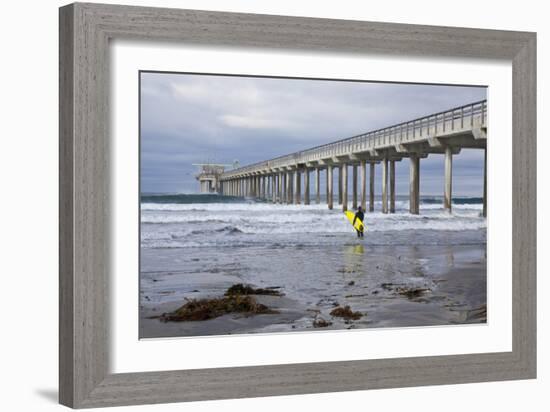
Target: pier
{"x":279,"y":180}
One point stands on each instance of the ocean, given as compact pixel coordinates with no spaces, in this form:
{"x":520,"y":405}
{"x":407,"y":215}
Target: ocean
{"x":196,"y":246}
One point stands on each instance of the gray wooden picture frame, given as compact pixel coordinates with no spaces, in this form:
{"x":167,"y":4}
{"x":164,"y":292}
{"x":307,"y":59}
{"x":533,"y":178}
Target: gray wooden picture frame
{"x":85,"y":31}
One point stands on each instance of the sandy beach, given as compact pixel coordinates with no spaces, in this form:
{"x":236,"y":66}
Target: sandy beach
{"x":390,"y":286}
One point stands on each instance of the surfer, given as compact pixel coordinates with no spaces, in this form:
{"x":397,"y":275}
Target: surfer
{"x":361,"y":216}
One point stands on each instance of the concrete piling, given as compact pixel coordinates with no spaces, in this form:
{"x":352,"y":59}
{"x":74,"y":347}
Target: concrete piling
{"x":329,"y":186}
{"x":344,"y":170}
{"x":354,"y":188}
{"x":306,"y":186}
{"x":340,"y":185}
{"x":297,"y":187}
{"x":392,"y":186}
{"x":414,"y":185}
{"x":363,"y":167}
{"x":371,"y":188}
{"x":317,"y":185}
{"x":447,"y":198}
{"x":385,"y":185}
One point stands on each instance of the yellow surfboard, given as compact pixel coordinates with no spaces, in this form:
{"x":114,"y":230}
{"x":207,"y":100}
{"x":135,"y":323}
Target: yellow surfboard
{"x":358,"y":223}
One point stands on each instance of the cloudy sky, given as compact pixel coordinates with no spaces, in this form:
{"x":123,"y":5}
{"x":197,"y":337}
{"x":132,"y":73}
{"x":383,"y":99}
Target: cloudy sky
{"x":188,"y":119}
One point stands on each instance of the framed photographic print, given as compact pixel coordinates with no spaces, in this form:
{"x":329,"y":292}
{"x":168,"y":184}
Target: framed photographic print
{"x":257,"y":205}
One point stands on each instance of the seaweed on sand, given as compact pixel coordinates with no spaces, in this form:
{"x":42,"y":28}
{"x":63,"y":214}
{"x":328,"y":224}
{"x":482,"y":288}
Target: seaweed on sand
{"x":321,"y":323}
{"x":346,"y":313}
{"x":204,"y":309}
{"x":240,"y":289}
{"x":412,"y":293}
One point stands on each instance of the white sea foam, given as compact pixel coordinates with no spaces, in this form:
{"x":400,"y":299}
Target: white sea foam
{"x":207,"y":224}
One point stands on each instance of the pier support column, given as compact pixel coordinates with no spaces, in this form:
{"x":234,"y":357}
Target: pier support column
{"x":392,"y":186}
{"x":306,"y":186}
{"x":289,"y":194}
{"x":326,"y":184}
{"x":447,"y":198}
{"x":297,"y":187}
{"x":329,"y":186}
{"x":485,"y":184}
{"x":287,"y":188}
{"x":344,"y":171}
{"x":277,"y":193}
{"x":354,"y":180}
{"x":291,"y":187}
{"x":281,"y":187}
{"x":363,"y":167}
{"x":340,"y":185}
{"x":371,"y":188}
{"x":385,"y":185}
{"x":284,"y":188}
{"x":414,"y":185}
{"x":274,"y":188}
{"x":317,"y":185}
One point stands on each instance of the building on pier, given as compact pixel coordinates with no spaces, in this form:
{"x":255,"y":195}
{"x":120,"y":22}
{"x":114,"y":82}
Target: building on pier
{"x":209,"y":177}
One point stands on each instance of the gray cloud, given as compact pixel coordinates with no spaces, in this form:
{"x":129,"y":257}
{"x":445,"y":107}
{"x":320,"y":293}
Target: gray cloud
{"x":189,"y":119}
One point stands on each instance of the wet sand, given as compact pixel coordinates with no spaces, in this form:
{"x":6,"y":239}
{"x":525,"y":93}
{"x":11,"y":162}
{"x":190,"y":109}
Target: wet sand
{"x":450,"y":281}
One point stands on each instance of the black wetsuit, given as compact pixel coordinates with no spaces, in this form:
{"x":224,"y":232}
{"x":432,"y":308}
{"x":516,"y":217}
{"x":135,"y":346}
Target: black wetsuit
{"x":359,"y":215}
